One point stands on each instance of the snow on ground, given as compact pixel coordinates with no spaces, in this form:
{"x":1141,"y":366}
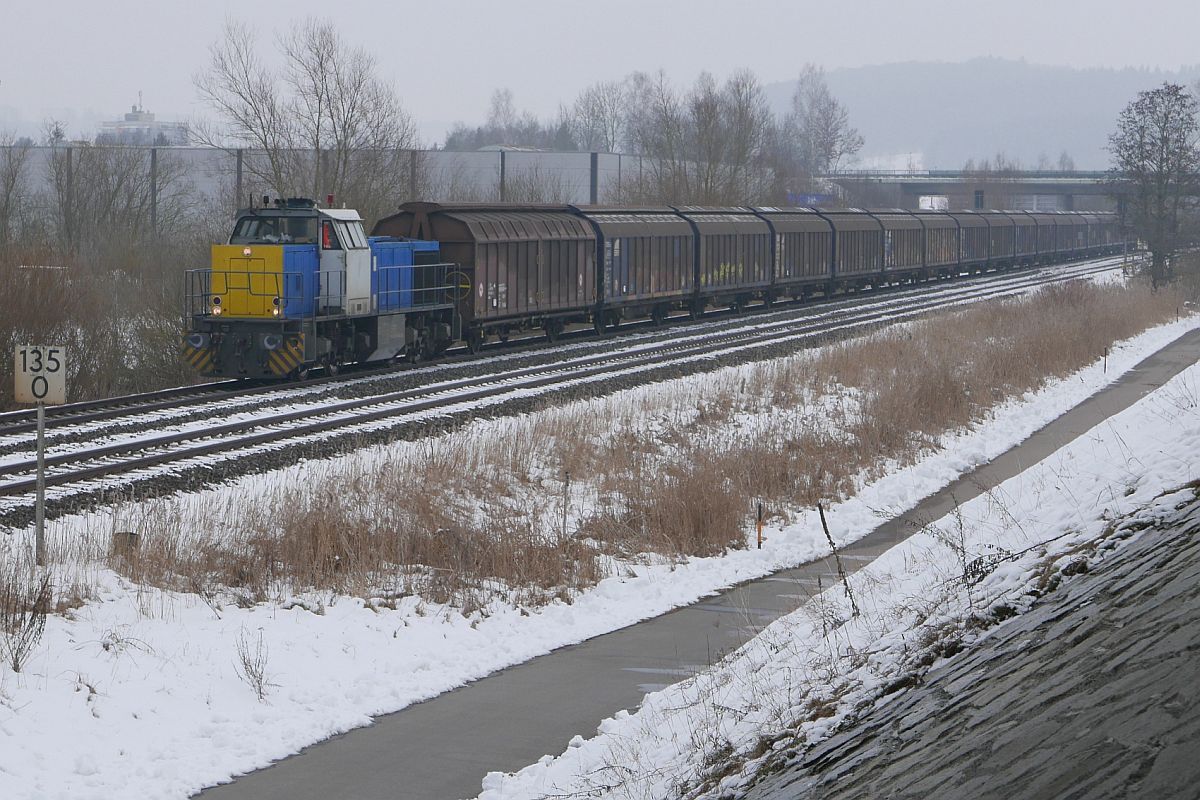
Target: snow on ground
{"x":146,"y":693}
{"x":808,"y":670}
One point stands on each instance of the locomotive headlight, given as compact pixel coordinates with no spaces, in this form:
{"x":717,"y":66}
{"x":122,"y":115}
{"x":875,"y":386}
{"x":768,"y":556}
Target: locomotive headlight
{"x":216,"y":311}
{"x":246,"y":252}
{"x":275,"y":311}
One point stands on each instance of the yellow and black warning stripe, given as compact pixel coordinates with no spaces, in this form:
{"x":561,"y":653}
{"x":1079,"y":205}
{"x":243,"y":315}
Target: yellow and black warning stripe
{"x":286,"y":357}
{"x":200,"y":358}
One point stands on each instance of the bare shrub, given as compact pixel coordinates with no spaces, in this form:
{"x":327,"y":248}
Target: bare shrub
{"x":469,"y":519}
{"x":25,"y":599}
{"x":251,"y":665}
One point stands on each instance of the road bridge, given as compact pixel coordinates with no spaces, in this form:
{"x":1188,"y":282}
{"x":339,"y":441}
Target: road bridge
{"x":1033,"y":190}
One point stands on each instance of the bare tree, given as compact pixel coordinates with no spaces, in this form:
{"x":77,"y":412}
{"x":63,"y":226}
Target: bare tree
{"x":326,"y":124}
{"x":14,"y":157}
{"x":1155,"y":168}
{"x":1065,"y":162}
{"x":506,"y":126}
{"x":821,"y":124}
{"x":709,"y":146}
{"x":502,"y":111}
{"x":246,"y":95}
{"x":656,"y":128}
{"x":598,"y":116}
{"x":749,"y":128}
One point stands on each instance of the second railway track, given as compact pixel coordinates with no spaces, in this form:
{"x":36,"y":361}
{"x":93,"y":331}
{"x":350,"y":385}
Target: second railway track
{"x":93,"y":471}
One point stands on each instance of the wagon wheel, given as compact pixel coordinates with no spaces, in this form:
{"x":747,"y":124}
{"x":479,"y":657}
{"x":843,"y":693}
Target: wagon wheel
{"x":696,"y":309}
{"x":658,"y":316}
{"x":553,"y":329}
{"x":474,"y":340}
{"x":599,"y":323}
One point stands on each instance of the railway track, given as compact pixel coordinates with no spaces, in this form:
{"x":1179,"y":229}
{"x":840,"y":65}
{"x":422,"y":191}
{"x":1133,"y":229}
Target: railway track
{"x":83,"y":470}
{"x":63,"y":423}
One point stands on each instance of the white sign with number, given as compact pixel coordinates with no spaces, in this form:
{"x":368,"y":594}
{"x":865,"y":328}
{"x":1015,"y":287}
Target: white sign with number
{"x":41,"y":375}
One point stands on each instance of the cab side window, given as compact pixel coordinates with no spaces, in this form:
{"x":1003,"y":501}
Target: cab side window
{"x":329,"y":236}
{"x":352,"y":235}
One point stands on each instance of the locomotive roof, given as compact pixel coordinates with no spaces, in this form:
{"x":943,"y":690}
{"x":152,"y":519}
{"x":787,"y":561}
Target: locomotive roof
{"x":341,"y":214}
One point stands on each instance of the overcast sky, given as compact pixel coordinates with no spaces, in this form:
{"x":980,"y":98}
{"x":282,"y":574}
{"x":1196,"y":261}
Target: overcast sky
{"x":446,"y":56}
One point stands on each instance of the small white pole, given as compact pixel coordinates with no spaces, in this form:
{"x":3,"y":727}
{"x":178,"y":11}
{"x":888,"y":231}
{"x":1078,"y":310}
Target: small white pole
{"x":39,"y":547}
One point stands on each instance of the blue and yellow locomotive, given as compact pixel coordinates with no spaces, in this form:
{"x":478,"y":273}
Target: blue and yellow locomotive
{"x":300,"y":286}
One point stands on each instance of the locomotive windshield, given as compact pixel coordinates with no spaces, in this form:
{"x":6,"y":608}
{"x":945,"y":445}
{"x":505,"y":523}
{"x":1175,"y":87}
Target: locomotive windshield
{"x":275,"y":229}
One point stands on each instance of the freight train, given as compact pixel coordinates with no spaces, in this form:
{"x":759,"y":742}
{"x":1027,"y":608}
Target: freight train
{"x":299,"y":286}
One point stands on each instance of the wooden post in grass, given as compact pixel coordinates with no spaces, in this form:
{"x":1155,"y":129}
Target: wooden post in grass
{"x":760,"y":526}
{"x":566,"y":499}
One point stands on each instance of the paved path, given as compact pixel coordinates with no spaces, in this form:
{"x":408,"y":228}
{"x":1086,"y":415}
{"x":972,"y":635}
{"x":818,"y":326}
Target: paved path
{"x":1092,"y":694}
{"x":442,"y":748}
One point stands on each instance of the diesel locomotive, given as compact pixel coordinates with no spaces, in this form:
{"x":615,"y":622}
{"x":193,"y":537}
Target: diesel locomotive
{"x":299,"y":285}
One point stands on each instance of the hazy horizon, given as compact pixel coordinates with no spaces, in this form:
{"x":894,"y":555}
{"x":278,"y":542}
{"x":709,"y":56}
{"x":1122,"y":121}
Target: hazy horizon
{"x":447,"y":58}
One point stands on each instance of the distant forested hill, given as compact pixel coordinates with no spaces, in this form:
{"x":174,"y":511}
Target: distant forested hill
{"x":952,"y":112}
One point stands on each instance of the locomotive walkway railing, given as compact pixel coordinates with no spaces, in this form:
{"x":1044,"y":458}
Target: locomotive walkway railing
{"x":240,"y":294}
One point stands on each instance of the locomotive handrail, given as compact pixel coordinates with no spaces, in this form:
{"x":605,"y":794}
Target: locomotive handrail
{"x":429,"y":285}
{"x":399,"y":287}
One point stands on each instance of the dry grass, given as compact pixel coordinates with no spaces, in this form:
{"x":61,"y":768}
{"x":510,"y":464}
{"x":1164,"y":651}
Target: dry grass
{"x":477,"y":516}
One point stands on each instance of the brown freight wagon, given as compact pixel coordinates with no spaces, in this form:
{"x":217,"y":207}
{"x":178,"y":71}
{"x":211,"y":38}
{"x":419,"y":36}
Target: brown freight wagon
{"x":1073,"y":236}
{"x":1002,"y":238}
{"x":974,"y":239}
{"x":733,"y":258}
{"x":941,"y":241}
{"x":520,"y":266}
{"x":803,"y":250}
{"x":647,"y":263}
{"x":1025,"y":237}
{"x":1046,"y":231}
{"x":903,"y":243}
{"x":857,"y":247}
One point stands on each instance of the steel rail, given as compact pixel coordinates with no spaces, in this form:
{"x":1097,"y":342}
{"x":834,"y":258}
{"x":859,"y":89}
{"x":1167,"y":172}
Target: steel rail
{"x":399,"y":404}
{"x":71,"y":414}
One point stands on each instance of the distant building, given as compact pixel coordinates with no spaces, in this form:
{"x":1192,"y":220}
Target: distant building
{"x":140,"y":127}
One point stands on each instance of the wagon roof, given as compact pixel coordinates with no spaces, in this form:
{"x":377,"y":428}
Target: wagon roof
{"x":492,"y":222}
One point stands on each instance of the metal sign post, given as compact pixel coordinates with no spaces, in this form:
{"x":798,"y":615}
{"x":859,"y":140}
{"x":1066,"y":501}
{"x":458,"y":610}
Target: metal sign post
{"x":40,"y":376}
